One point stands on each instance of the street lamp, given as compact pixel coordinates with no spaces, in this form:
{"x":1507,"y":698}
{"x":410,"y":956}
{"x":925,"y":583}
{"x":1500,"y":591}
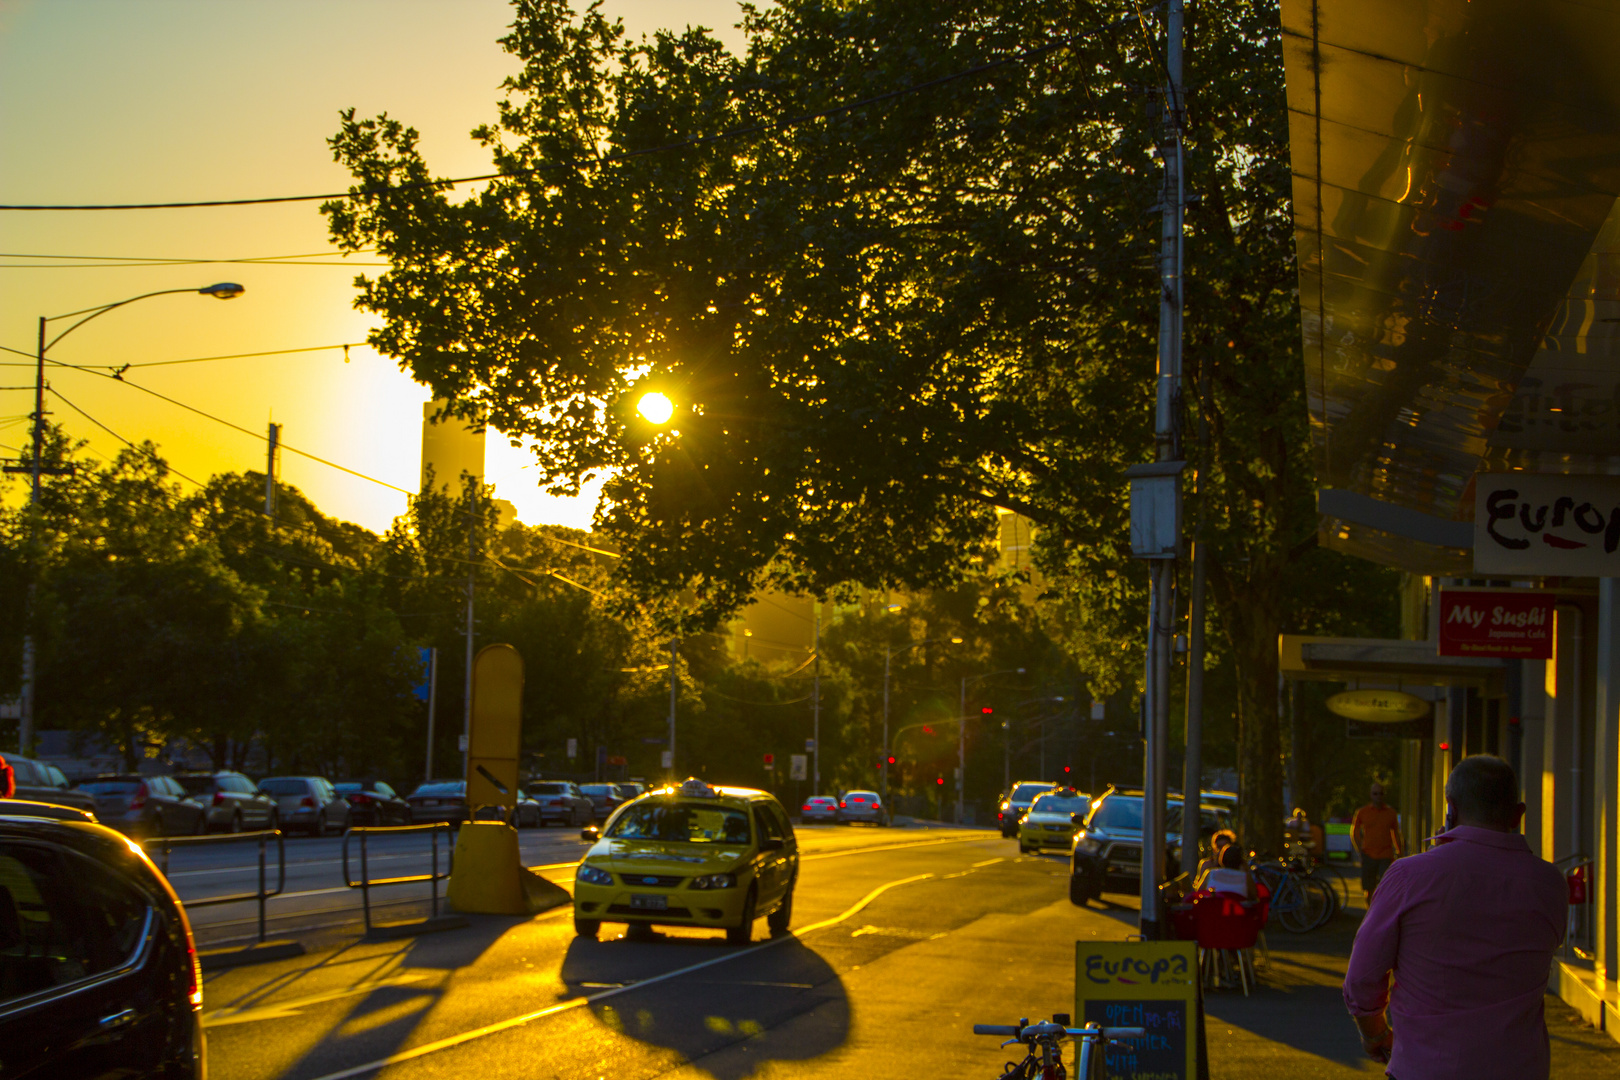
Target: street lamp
{"x":889,"y":654}
{"x":961,"y":734}
{"x":224,"y":290}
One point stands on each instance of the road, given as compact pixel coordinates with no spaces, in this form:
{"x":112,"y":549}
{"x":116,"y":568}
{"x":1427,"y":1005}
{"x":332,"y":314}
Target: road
{"x":902,"y":939}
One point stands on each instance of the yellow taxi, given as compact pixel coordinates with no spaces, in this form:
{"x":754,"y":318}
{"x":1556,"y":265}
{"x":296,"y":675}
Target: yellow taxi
{"x":691,"y":855}
{"x":1050,"y":822}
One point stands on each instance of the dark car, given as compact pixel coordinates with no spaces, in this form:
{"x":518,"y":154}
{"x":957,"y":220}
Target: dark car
{"x":1107,"y":852}
{"x":98,"y":972}
{"x":1013,"y":808}
{"x":562,"y":802}
{"x":373,"y":802}
{"x":146,"y":805}
{"x":605,"y":798}
{"x":231,"y":801}
{"x":438,"y":800}
{"x":39,"y":781}
{"x":307,"y":802}
{"x":819,"y":808}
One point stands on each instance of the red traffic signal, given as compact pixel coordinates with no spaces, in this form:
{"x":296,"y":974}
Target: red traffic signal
{"x":770,"y":759}
{"x":1065,"y":768}
{"x":891,"y":759}
{"x":940,"y":780}
{"x":986,"y":711}
{"x":927,"y":730}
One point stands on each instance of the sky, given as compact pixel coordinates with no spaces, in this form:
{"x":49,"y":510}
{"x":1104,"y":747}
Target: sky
{"x":166,"y":100}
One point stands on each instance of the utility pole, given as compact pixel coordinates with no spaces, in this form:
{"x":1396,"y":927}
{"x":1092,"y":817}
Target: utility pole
{"x":25,"y":722}
{"x":674,"y":685}
{"x":815,"y":712}
{"x":472,"y":565}
{"x":271,"y":453}
{"x":883,"y":766}
{"x":961,"y":748}
{"x":433,"y":705}
{"x":1166,"y":430}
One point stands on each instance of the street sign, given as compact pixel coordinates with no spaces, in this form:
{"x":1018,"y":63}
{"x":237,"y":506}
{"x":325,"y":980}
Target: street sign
{"x":1378,"y":706}
{"x":809,"y":746}
{"x":1099,"y":711}
{"x":573,"y":749}
{"x":421,"y":689}
{"x":1536,"y":524}
{"x":1512,"y":623}
{"x":770,"y":761}
{"x":1152,"y":985}
{"x":798,"y":767}
{"x":617,"y":759}
{"x":667,"y":759}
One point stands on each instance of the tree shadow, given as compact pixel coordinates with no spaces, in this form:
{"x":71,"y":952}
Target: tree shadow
{"x":780,"y":1002}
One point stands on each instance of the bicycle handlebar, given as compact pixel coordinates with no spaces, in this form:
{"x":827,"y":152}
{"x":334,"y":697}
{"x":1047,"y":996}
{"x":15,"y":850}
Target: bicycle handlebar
{"x":1044,"y":1029}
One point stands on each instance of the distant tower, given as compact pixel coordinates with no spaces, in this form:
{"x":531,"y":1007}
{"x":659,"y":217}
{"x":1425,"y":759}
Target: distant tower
{"x":451,"y":448}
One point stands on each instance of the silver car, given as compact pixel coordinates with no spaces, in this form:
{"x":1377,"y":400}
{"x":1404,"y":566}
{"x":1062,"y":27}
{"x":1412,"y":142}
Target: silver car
{"x":862,"y":806}
{"x":819,"y":808}
{"x":307,"y":802}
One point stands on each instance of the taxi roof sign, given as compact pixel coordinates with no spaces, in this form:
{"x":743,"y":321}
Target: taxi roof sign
{"x":693,"y":787}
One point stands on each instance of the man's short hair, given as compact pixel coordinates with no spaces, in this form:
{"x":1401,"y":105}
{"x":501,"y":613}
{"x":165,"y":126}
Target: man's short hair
{"x":1483,"y":788}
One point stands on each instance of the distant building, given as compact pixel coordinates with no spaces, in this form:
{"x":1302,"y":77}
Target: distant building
{"x":451,"y":448}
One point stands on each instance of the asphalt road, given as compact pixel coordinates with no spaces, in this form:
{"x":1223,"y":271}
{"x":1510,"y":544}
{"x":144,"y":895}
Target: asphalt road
{"x":902,"y":939}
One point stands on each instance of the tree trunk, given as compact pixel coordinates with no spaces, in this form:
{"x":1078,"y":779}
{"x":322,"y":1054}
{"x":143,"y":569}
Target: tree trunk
{"x":1251,"y":614}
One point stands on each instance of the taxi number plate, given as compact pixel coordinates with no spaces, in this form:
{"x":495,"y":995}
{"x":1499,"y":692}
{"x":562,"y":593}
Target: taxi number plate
{"x":649,"y":903}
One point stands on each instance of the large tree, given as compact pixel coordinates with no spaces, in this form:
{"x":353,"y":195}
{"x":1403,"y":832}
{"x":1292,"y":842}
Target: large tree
{"x":895,"y":264}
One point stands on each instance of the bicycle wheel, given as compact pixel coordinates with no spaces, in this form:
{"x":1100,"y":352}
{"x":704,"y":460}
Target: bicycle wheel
{"x":1306,"y":913}
{"x":1331,"y":908}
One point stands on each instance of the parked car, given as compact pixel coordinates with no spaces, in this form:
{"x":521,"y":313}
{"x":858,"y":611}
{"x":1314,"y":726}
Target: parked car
{"x":231,"y":801}
{"x":99,"y":975}
{"x":144,"y":806}
{"x":373,"y":802}
{"x":526,"y":814}
{"x":1016,"y":805}
{"x":818,"y":808}
{"x":605,"y":798}
{"x":1107,"y":850}
{"x":39,"y":781}
{"x":561,"y":801}
{"x":438,"y":800}
{"x":862,"y":806}
{"x":307,"y":802}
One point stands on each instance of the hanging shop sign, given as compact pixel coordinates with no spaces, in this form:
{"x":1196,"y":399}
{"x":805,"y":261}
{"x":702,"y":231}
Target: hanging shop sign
{"x":1513,"y":623}
{"x":1546,"y":525}
{"x":1378,"y":706}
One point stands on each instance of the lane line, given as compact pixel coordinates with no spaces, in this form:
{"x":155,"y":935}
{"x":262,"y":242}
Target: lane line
{"x":552,"y":1010}
{"x":988,"y":862}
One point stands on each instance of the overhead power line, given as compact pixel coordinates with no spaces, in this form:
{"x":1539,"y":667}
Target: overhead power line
{"x":345,"y":346}
{"x":179,"y":260}
{"x":604,"y":159}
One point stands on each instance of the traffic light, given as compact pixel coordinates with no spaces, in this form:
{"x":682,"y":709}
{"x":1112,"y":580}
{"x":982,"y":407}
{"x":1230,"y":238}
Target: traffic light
{"x":987,"y":711}
{"x":891,"y":760}
{"x":927,"y":730}
{"x":940,"y":780}
{"x":1065,"y":768}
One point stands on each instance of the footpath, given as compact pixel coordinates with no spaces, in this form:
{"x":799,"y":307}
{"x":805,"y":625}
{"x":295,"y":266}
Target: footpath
{"x":1294,"y":1025}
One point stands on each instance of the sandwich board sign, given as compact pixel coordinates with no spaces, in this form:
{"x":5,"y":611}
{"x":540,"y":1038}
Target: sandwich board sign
{"x":1152,"y":985}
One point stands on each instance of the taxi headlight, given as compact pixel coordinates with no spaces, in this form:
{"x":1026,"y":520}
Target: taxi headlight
{"x":590,"y":875}
{"x":1087,"y":846}
{"x":715,"y":881}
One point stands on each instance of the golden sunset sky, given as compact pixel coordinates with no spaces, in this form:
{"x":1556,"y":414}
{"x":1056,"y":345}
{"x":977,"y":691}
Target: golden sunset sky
{"x":162,"y":100}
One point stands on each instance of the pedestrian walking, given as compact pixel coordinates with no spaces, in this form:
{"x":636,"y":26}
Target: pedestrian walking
{"x":1468,"y":929}
{"x":1375,"y":832}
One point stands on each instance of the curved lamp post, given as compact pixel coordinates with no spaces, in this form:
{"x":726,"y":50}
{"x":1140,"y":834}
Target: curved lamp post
{"x":224,"y":290}
{"x":889,"y":653}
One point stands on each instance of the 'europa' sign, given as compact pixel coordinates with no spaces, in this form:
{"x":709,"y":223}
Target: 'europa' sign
{"x":1547,"y":524}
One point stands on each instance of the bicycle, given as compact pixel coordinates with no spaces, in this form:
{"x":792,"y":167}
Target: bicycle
{"x":1299,"y":901}
{"x":1043,"y":1058}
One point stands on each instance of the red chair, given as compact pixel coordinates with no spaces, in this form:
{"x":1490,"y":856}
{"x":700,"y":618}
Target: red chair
{"x":1227,"y":927}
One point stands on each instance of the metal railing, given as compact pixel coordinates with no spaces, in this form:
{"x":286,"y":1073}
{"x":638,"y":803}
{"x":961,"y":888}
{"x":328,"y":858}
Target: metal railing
{"x":365,"y":883}
{"x":164,"y":843}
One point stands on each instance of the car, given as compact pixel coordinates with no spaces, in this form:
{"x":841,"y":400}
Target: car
{"x":1017,"y":804}
{"x":691,"y":855}
{"x":231,"y":801}
{"x":1052,"y":820}
{"x":818,"y":808}
{"x":438,"y":800}
{"x":309,"y":803}
{"x":526,"y":813}
{"x":862,"y":806}
{"x":561,"y":801}
{"x":1107,"y":851}
{"x":98,"y":969}
{"x":40,"y":781}
{"x":145,"y":806}
{"x":605,"y":798}
{"x":373,"y":802}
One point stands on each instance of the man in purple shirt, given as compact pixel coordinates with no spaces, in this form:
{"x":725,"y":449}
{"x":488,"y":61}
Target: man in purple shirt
{"x":1468,"y":930}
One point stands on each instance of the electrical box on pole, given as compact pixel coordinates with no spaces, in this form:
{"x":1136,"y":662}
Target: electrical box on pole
{"x":1156,"y":509}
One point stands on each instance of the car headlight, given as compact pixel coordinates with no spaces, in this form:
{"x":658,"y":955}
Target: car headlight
{"x":590,"y":875}
{"x":1087,"y":846}
{"x":715,"y":881}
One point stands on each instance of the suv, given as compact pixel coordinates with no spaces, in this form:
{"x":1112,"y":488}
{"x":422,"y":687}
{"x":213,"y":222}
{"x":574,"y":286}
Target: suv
{"x":39,"y":782}
{"x":307,"y":802}
{"x":1108,"y":849}
{"x":1015,"y":806}
{"x":692,"y":855}
{"x":98,"y":971}
{"x":230,"y":800}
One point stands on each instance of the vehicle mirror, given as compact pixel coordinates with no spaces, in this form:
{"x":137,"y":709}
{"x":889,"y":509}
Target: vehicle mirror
{"x":591,"y":833}
{"x":770,"y":843}
{"x":1077,"y":819}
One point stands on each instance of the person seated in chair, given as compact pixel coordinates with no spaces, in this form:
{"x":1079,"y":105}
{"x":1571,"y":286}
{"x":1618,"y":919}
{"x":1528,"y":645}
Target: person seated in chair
{"x":1231,"y":876}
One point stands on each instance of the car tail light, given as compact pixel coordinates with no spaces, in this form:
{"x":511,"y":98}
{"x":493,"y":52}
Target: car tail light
{"x":219,"y":798}
{"x":138,"y":800}
{"x":840,"y":806}
{"x":360,"y":800}
{"x":807,"y":806}
{"x":557,"y":802}
{"x":194,"y":979}
{"x":308,"y":801}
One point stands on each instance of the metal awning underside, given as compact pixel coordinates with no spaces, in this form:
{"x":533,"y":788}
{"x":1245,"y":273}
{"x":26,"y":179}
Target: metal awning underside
{"x":1455,"y":171}
{"x":1404,"y":665}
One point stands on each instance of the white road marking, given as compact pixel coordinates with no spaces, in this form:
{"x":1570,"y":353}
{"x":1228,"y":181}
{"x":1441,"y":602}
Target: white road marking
{"x":518,"y":1021}
{"x":988,"y":862}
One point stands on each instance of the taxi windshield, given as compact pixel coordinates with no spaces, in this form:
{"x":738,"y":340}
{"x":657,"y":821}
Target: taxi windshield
{"x":1060,"y":804}
{"x":682,"y":823}
{"x":1029,"y":791}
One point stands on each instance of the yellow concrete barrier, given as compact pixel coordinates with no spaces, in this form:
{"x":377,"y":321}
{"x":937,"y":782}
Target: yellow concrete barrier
{"x":489,"y":878}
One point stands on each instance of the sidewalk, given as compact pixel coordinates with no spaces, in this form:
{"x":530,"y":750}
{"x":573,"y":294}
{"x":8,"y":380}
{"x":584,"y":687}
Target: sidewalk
{"x":1295,"y":1024}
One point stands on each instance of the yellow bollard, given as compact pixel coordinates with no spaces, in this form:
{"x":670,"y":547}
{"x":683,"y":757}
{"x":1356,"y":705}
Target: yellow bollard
{"x":489,"y":878}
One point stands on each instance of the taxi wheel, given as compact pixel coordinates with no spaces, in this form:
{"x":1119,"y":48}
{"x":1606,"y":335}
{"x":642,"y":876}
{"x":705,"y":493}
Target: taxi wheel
{"x":779,"y":919}
{"x":743,"y":932}
{"x":1023,"y":848}
{"x":587,"y":928}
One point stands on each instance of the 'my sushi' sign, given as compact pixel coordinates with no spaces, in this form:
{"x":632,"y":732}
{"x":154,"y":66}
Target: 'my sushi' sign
{"x":1512,"y":623}
{"x":1545,"y":524}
